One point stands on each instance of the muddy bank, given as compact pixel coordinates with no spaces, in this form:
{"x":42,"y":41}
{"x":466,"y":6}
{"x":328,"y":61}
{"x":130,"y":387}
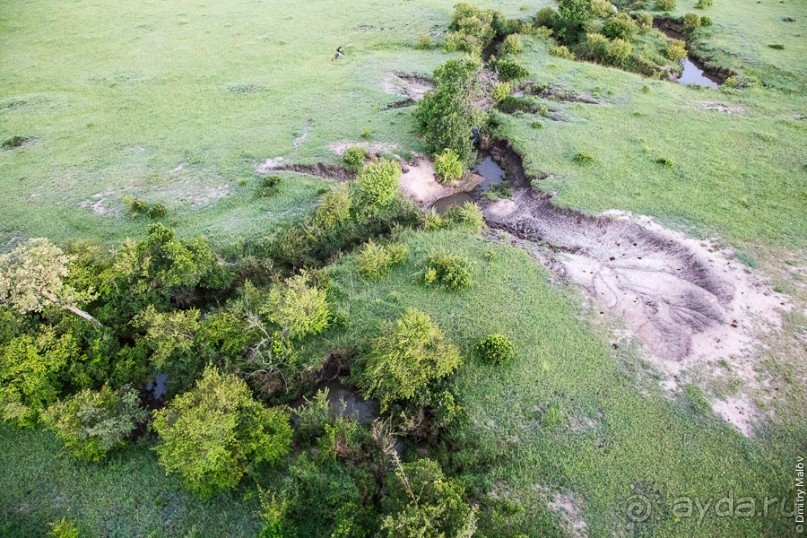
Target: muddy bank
{"x":697,"y":69}
{"x":327,"y":171}
{"x":420,"y":184}
{"x":409,"y":87}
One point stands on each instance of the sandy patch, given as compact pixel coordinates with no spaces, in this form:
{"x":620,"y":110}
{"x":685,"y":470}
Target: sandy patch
{"x":419,"y":183}
{"x":102,"y":203}
{"x":371,"y":147}
{"x":732,"y":110}
{"x":691,"y":303}
{"x":407,"y":86}
{"x":273,"y":163}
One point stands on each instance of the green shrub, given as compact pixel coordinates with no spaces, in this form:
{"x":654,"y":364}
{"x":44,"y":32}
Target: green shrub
{"x":676,"y":50}
{"x":706,"y":21}
{"x":406,"y":358}
{"x":583,"y":158}
{"x":298,"y":307}
{"x":375,"y":260}
{"x":601,"y":8}
{"x":470,"y":20}
{"x":447,"y":115}
{"x":63,"y":528}
{"x":424,"y":42}
{"x":595,"y":47}
{"x":171,"y":338}
{"x":545,"y":17}
{"x":30,"y":368}
{"x":665,"y":162}
{"x":512,"y":44}
{"x":496,"y":192}
{"x":422,"y":501}
{"x":432,"y":220}
{"x":353,"y":159}
{"x":644,"y":21}
{"x":333,"y":209}
{"x":269,"y":186}
{"x":572,"y":17}
{"x":501,"y":90}
{"x":376,"y":186}
{"x":90,"y":424}
{"x":468,"y":214}
{"x":561,"y":51}
{"x":692,"y":21}
{"x":703,"y":4}
{"x":620,"y":26}
{"x":448,"y":270}
{"x":142,"y":208}
{"x":448,"y":166}
{"x":497,"y":349}
{"x":665,"y":5}
{"x":511,"y":70}
{"x":214,"y":434}
{"x":619,"y":52}
{"x":312,"y":417}
{"x":457,"y":42}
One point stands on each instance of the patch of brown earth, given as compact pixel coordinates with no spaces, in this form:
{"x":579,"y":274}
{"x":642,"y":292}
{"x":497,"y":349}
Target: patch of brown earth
{"x":408,"y":86}
{"x":101,"y":203}
{"x":419,"y":183}
{"x":555,"y":93}
{"x":327,"y":171}
{"x":690,"y":303}
{"x":568,"y":508}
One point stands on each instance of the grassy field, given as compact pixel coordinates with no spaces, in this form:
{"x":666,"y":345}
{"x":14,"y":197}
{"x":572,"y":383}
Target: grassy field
{"x":178,"y":102}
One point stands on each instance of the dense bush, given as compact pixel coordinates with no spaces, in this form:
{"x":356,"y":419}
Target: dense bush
{"x":691,"y":21}
{"x":703,"y":4}
{"x":620,"y":26}
{"x":602,"y":8}
{"x":171,"y":339}
{"x":471,"y":29}
{"x":512,"y":44}
{"x":595,"y":48}
{"x":424,"y":42}
{"x":298,"y":307}
{"x":333,"y":209}
{"x":268,"y":186}
{"x":30,"y":367}
{"x":90,"y":424}
{"x":644,"y":21}
{"x":142,"y":208}
{"x":665,"y":5}
{"x":448,"y":166}
{"x":376,"y":260}
{"x":353,"y":159}
{"x":468,"y":214}
{"x":421,"y":501}
{"x":619,"y":52}
{"x":545,"y":17}
{"x":376,"y":186}
{"x":405,"y":359}
{"x":448,"y":270}
{"x":501,"y":90}
{"x":497,"y":349}
{"x":446,"y":116}
{"x":583,"y":158}
{"x":572,"y":18}
{"x":676,"y":50}
{"x":214,"y":434}
{"x":561,"y":51}
{"x":63,"y":528}
{"x":511,"y":70}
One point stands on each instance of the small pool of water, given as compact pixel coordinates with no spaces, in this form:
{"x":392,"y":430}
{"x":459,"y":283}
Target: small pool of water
{"x":491,"y":171}
{"x":345,"y":402}
{"x":694,"y":75}
{"x":455,"y":200}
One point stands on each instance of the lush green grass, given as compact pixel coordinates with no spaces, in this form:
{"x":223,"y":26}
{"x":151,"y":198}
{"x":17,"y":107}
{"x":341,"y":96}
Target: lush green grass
{"x":739,"y":174}
{"x":217,"y":88}
{"x":126,"y":496}
{"x":619,"y":432}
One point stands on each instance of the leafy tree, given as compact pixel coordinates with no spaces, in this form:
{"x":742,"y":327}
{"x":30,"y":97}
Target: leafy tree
{"x":214,"y":434}
{"x":572,"y":17}
{"x":300,"y":308}
{"x":92,"y":423}
{"x":31,"y":277}
{"x":411,"y":354}
{"x":375,"y":187}
{"x":447,"y":115}
{"x":422,"y":502}
{"x":29,"y":374}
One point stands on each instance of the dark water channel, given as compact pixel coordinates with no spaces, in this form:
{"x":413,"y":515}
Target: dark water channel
{"x":492,"y":174}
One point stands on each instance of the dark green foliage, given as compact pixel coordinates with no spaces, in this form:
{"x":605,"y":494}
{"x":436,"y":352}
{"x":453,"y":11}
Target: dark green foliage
{"x":268,"y":186}
{"x":298,"y":307}
{"x":545,"y":17}
{"x":512,"y":44}
{"x":620,"y":26}
{"x":353,"y":159}
{"x":665,"y":162}
{"x":90,"y":424}
{"x":583,"y":158}
{"x":142,"y":208}
{"x":644,"y":21}
{"x":497,"y":349}
{"x":15,"y":142}
{"x":448,"y":270}
{"x":447,"y":115}
{"x":511,"y":70}
{"x":471,"y":29}
{"x":421,"y":501}
{"x":691,"y":21}
{"x":512,"y":104}
{"x":776,"y":46}
{"x":405,"y":359}
{"x":216,"y":433}
{"x":572,"y":17}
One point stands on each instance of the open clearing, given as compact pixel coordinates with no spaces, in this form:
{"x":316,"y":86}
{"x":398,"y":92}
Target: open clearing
{"x":649,"y":262}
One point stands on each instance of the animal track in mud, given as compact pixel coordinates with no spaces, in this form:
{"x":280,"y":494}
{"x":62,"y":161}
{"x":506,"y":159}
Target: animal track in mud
{"x":666,"y":293}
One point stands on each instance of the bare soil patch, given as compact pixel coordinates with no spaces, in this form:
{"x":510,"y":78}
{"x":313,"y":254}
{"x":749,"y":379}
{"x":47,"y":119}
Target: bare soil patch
{"x":102,"y":203}
{"x":732,"y":110}
{"x":408,"y":86}
{"x":419,"y":183}
{"x":327,"y":171}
